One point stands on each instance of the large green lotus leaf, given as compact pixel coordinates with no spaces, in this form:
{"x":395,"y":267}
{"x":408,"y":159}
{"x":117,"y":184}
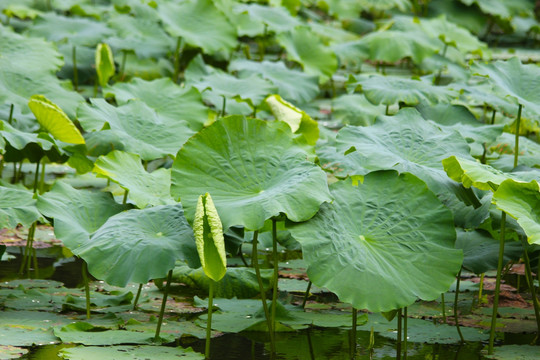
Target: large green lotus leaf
{"x":253,"y":170}
{"x":200,"y":24}
{"x":366,"y":234}
{"x":139,"y":245}
{"x":481,"y":251}
{"x":88,"y":334}
{"x":291,"y":84}
{"x":138,"y":126}
{"x":515,"y":80}
{"x":404,"y":142}
{"x":306,"y":48}
{"x":143,"y":36}
{"x":239,"y":282}
{"x":389,"y":90}
{"x":252,"y":88}
{"x":28,"y":67}
{"x":473,"y":173}
{"x":391,"y":46}
{"x":168,"y":99}
{"x":355,"y":109}
{"x":76,"y":213}
{"x":17,"y":206}
{"x":505,"y":9}
{"x":521,"y":201}
{"x":144,"y":188}
{"x":75,"y":30}
{"x":132,"y":352}
{"x":53,"y":119}
{"x":277,"y":19}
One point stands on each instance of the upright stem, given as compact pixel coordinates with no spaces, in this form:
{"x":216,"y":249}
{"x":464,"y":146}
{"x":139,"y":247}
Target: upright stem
{"x":86,"y":288}
{"x":177,"y":55}
{"x":493,"y":117}
{"x":75,"y":71}
{"x":163,"y":304}
{"x":255,"y":263}
{"x":10,"y":118}
{"x":399,"y":335}
{"x":516,"y":146}
{"x":481,"y":288}
{"x":386,"y":112}
{"x":528,"y":274}
{"x":123,"y":65}
{"x":25,"y":264}
{"x":42,"y":178}
{"x":276,"y":274}
{"x":443,"y":308}
{"x":124,"y":200}
{"x":306,"y":294}
{"x":209,"y":320}
{"x":223,"y":106}
{"x":439,"y":74}
{"x":405,"y":335}
{"x":497,"y":285}
{"x":353,"y":332}
{"x":139,"y":290}
{"x":36,"y":176}
{"x":455,"y":306}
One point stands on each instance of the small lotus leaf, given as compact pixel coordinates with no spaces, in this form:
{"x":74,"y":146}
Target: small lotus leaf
{"x":367,"y":232}
{"x":254,"y":171}
{"x":209,"y":238}
{"x":104,"y":63}
{"x":54,"y":120}
{"x":139,"y":245}
{"x":521,"y":201}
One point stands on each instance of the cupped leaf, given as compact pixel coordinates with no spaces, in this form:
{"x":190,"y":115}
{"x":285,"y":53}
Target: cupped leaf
{"x":521,"y":201}
{"x":307,"y":49}
{"x":17,"y":206}
{"x":200,"y":23}
{"x":390,"y":90}
{"x":209,"y":238}
{"x":291,"y":84}
{"x":127,"y":170}
{"x":298,"y":120}
{"x":139,"y":245}
{"x":253,"y":170}
{"x":104,"y":64}
{"x":367,"y":233}
{"x":54,"y":120}
{"x":77,"y":213}
{"x":473,"y":173}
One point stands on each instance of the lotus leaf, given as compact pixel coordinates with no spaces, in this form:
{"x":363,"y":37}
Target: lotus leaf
{"x":473,"y":173}
{"x":521,"y":201}
{"x":366,"y":234}
{"x":254,"y":171}
{"x":129,"y":353}
{"x":76,"y":213}
{"x":54,"y":120}
{"x":514,"y":352}
{"x":144,"y":188}
{"x":139,"y":245}
{"x":291,"y":84}
{"x":390,"y":90}
{"x":17,"y":206}
{"x":307,"y":49}
{"x":277,"y":19}
{"x":502,"y":8}
{"x":105,"y":67}
{"x":199,"y":23}
{"x":355,"y":109}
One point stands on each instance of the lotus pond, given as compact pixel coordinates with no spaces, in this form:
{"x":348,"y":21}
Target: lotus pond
{"x":281,"y":179}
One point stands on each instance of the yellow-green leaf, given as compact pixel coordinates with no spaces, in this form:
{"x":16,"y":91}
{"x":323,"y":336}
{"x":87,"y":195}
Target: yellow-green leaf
{"x":298,"y":120}
{"x":104,"y":63}
{"x":54,"y":120}
{"x":209,"y":238}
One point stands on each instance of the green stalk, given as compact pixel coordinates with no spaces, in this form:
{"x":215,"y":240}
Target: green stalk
{"x":405,"y":335}
{"x":137,"y":297}
{"x":516,"y":147}
{"x":209,"y":320}
{"x":177,"y":56}
{"x":353,"y":332}
{"x":497,"y":285}
{"x":399,"y":335}
{"x":255,"y":263}
{"x":493,"y":117}
{"x":276,"y":274}
{"x":223,"y":106}
{"x":36,"y":176}
{"x":123,"y":65}
{"x":310,"y":345}
{"x":306,"y":294}
{"x":528,"y":274}
{"x":455,"y":306}
{"x":75,"y":71}
{"x":443,"y":305}
{"x":36,"y":266}
{"x":86,"y":288}
{"x":439,"y":74}
{"x":124,"y":200}
{"x":10,"y":118}
{"x":163,"y":304}
{"x":29,"y":242}
{"x":386,"y":112}
{"x":42,"y":178}
{"x":481,"y":288}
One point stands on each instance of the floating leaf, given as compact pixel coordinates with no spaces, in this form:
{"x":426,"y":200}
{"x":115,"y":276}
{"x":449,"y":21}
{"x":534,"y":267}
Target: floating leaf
{"x":254,"y":171}
{"x":139,"y":245}
{"x":514,"y":352}
{"x":54,"y":120}
{"x":367,"y":232}
{"x":104,"y":64}
{"x":209,"y":238}
{"x":129,"y":353}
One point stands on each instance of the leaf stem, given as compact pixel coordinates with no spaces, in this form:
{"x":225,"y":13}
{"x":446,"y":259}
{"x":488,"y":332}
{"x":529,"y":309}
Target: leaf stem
{"x":455,"y":306}
{"x":10,"y":118}
{"x":306,"y":294}
{"x":136,"y":301}
{"x":275,"y":277}
{"x":353,"y":332}
{"x":497,"y":285}
{"x":530,"y":283}
{"x":36,"y":176}
{"x":86,"y":288}
{"x":163,"y":304}
{"x":209,"y":320}
{"x":443,"y":308}
{"x":123,"y":65}
{"x":516,"y":146}
{"x":177,"y":56}
{"x":399,"y":335}
{"x":405,"y":335}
